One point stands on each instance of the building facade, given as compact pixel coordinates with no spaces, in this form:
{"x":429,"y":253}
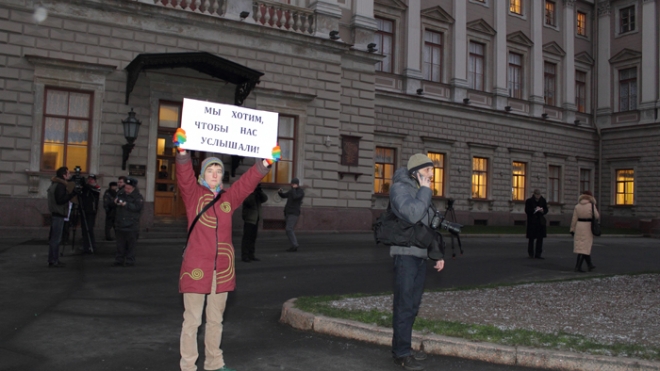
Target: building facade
{"x":504,"y":95}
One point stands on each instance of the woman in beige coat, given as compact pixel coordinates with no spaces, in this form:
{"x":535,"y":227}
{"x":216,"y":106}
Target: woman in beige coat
{"x":581,"y":229}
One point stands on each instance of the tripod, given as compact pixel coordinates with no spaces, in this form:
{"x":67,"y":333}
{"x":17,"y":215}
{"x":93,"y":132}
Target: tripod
{"x":450,"y":216}
{"x":77,"y":211}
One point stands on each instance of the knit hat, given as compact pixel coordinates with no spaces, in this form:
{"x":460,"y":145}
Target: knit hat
{"x":419,"y":161}
{"x":205,"y":164}
{"x":113,"y":184}
{"x":295,"y":181}
{"x":588,"y":193}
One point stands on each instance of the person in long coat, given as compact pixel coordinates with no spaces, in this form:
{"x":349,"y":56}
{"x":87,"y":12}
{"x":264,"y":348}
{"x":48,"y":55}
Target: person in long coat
{"x":581,"y":229}
{"x":536,"y":207}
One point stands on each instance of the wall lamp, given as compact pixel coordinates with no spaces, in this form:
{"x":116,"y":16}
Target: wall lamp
{"x":372,"y":48}
{"x":244,"y":14}
{"x":334,"y":35}
{"x":577,"y":122}
{"x":420,"y":91}
{"x":544,"y":115}
{"x":131,"y":128}
{"x":466,"y":100}
{"x":507,"y":108}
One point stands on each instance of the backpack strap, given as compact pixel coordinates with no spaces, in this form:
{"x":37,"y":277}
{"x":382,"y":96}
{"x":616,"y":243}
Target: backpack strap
{"x":208,"y":206}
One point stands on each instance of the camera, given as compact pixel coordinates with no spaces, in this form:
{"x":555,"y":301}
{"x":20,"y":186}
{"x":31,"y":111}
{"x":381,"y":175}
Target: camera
{"x":78,"y":179}
{"x":438,"y":221}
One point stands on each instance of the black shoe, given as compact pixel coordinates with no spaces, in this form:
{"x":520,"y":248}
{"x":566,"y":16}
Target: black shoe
{"x":117,"y":264}
{"x":538,"y":257}
{"x":292,"y":249}
{"x":255,"y":259}
{"x":592,"y":268}
{"x":129,"y":265}
{"x":56,"y":265}
{"x":409,"y":363}
{"x":419,"y":356}
{"x":247,"y":260}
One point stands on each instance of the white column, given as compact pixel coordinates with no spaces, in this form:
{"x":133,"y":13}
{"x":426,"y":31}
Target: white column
{"x":648,"y":76}
{"x":413,"y":47}
{"x":327,"y":17}
{"x":500,"y":65}
{"x":568,"y":103}
{"x":604,"y":92}
{"x":536,"y":17}
{"x":458,"y":78}
{"x":363,"y":24}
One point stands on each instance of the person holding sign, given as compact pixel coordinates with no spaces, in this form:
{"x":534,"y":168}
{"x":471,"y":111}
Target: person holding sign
{"x":207,"y":272}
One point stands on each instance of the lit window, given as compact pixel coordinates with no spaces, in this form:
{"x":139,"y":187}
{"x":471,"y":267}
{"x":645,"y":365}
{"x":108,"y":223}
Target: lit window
{"x":383,"y":169}
{"x":554,"y":174}
{"x":67,"y":121}
{"x":585,"y":180}
{"x":550,"y":13}
{"x":479,"y":177}
{"x":549,"y":86}
{"x":628,"y":89}
{"x":476,"y":66}
{"x":518,"y":181}
{"x":515,"y":6}
{"x":581,"y":24}
{"x":437,"y":186}
{"x":627,"y":19}
{"x":432,"y":65}
{"x":625,"y":186}
{"x":515,"y":75}
{"x":282,"y":170}
{"x":384,"y":39}
{"x":581,"y":91}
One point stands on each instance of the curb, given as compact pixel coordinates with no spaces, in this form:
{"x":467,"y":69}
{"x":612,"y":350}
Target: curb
{"x":456,"y":347}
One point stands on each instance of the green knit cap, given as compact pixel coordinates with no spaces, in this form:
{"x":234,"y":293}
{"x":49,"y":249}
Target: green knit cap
{"x":419,"y":161}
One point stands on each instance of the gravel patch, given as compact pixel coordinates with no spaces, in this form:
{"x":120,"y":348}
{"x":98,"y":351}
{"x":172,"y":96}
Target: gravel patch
{"x":621,"y":309}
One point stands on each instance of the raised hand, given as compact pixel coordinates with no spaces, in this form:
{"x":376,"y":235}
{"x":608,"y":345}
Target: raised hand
{"x":178,"y":139}
{"x":277,"y":154}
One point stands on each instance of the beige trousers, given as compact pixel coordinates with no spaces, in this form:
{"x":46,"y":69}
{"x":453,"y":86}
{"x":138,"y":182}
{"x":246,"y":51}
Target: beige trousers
{"x":192,"y":319}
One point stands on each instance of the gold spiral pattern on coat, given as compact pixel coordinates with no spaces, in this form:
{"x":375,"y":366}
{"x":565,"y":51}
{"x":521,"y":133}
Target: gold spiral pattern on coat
{"x":206,"y":219}
{"x":228,"y":274}
{"x":225,"y":206}
{"x":196,"y":274}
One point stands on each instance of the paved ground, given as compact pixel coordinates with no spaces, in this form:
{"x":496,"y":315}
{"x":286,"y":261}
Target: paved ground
{"x":91,"y":316}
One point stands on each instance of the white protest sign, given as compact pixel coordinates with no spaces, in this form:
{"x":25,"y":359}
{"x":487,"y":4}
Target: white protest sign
{"x":223,"y":128}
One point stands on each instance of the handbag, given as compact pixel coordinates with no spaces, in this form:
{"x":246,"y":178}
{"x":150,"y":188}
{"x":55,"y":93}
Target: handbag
{"x":595,"y":223}
{"x":208,"y":206}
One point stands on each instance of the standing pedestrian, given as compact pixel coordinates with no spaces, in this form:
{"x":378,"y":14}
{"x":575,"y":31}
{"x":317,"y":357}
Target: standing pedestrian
{"x":251,"y":216}
{"x":60,"y":208}
{"x":89,"y":202}
{"x":294,"y":198}
{"x":536,"y":207}
{"x":129,"y":203}
{"x":207,"y":272}
{"x":583,"y":238}
{"x":110,"y":209}
{"x":410,"y":200}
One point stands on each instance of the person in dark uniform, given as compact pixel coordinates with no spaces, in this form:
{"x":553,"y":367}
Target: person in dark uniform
{"x":294,"y":200}
{"x":89,"y":201}
{"x":251,"y":216}
{"x":110,"y":209}
{"x":536,"y":207}
{"x":129,"y":203}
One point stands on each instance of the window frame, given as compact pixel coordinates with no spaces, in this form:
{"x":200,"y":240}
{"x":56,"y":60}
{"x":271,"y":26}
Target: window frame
{"x":631,"y":104}
{"x":626,"y":184}
{"x":393,"y":163}
{"x":550,"y":14}
{"x":67,"y":118}
{"x":581,"y":85}
{"x":582,"y":27}
{"x":625,"y":21}
{"x":274,"y":167}
{"x":550,"y":84}
{"x":554,"y":184}
{"x":582,"y":181}
{"x":480,"y":174}
{"x":379,"y":33}
{"x":472,"y":77}
{"x":516,"y":180}
{"x":516,"y":7}
{"x":433,"y":46}
{"x":435,"y":181}
{"x":516,"y":93}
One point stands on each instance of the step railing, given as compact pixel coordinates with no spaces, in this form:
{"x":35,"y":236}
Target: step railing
{"x":214,"y":8}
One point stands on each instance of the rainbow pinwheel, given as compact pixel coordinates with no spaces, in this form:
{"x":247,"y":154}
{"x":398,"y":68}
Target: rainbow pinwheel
{"x":179,"y":138}
{"x":277,"y":153}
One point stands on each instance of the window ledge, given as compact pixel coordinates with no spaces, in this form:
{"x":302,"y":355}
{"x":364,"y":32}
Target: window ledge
{"x":622,"y":206}
{"x":343,"y":173}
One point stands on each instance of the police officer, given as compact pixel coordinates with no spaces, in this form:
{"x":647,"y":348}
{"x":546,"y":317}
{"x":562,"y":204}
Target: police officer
{"x":129,"y":203}
{"x":89,"y":201}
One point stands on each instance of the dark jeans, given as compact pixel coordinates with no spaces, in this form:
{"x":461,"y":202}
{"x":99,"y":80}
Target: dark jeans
{"x":109,"y":224}
{"x":409,"y":276}
{"x":291,"y":221}
{"x":249,"y":240}
{"x":539,"y":247}
{"x":90,"y":220}
{"x":126,"y":241}
{"x":56,"y":229}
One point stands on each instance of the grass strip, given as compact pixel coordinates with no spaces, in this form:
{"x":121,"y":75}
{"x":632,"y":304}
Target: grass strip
{"x":485,"y":229}
{"x":488,"y":333}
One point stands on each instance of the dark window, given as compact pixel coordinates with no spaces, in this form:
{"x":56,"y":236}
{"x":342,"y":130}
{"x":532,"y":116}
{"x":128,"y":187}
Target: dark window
{"x":627,"y":19}
{"x":550,"y":83}
{"x":384,"y":39}
{"x":554,"y":174}
{"x":476,"y":66}
{"x":585,"y":180}
{"x":515,"y":75}
{"x":628,"y":89}
{"x":581,"y":91}
{"x":432,"y":65}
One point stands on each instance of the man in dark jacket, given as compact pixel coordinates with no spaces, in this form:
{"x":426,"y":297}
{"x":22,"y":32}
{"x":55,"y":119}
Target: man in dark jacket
{"x":127,"y":222}
{"x":251,"y":217}
{"x":536,"y":208}
{"x":58,"y":205}
{"x":410,"y":200}
{"x":110,"y":209}
{"x":294,"y":198}
{"x":89,"y":201}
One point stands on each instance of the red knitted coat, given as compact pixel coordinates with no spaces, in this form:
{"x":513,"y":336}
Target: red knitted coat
{"x":210,"y":245}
